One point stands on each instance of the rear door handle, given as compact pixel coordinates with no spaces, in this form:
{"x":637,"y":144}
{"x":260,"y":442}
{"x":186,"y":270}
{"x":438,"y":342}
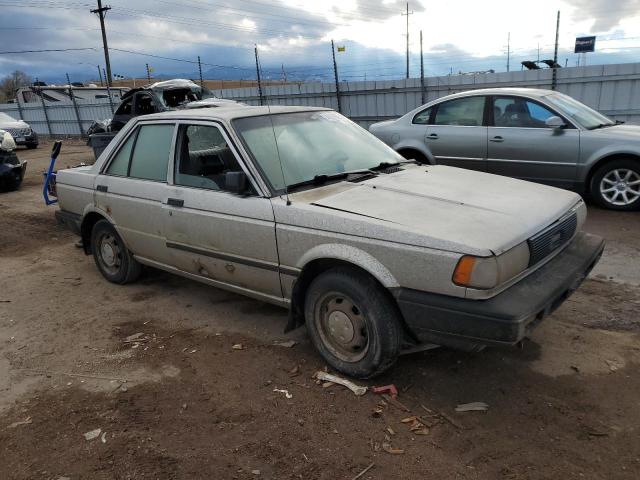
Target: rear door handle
{"x":102,"y":188}
{"x":433,"y":136}
{"x":175,"y":202}
{"x":497,"y":139}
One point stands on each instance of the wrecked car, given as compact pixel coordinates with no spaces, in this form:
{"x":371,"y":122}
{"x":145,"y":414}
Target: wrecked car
{"x":160,"y":97}
{"x":302,"y":208}
{"x":12,"y":169}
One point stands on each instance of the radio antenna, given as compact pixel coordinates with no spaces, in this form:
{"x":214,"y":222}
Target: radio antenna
{"x":273,"y":129}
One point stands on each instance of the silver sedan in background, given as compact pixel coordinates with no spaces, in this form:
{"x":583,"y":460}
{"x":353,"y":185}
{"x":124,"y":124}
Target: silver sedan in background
{"x":538,"y":135}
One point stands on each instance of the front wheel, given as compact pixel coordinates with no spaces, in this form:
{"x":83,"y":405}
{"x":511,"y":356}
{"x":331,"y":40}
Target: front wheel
{"x":353,"y":322}
{"x":112,"y":257}
{"x":616,"y":185}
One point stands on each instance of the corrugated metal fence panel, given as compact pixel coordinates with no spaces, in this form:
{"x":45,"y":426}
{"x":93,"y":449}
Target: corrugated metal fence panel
{"x":61,"y":115}
{"x":612,"y":89}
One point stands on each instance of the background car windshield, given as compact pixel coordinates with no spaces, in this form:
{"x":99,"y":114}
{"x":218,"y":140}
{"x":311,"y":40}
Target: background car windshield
{"x":585,"y":116}
{"x":310,"y":144}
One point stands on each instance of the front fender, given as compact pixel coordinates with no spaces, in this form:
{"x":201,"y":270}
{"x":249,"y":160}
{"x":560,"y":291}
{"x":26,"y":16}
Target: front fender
{"x":608,"y":151}
{"x":352,"y":255}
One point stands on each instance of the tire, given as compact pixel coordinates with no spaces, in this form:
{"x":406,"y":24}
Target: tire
{"x":616,"y":185}
{"x":112,"y":258}
{"x":366,"y":331}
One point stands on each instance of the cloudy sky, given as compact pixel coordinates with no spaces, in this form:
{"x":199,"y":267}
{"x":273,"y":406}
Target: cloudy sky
{"x":459,"y":35}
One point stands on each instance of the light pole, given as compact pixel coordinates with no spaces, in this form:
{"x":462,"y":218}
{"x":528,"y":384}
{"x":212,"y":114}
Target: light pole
{"x":99,"y":71}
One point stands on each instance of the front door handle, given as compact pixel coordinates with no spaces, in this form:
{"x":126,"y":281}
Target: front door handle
{"x":175,"y":202}
{"x":497,"y":139}
{"x":102,"y":188}
{"x":433,"y":136}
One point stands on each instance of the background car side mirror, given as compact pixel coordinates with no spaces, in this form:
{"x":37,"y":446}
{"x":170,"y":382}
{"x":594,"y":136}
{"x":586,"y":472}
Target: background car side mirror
{"x":236,"y":182}
{"x":555,"y":122}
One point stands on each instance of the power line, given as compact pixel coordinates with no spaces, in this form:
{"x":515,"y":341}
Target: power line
{"x":49,"y":50}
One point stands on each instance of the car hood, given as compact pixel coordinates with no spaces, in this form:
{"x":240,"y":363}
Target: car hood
{"x":13,"y":125}
{"x":447,"y":208}
{"x":622,"y":132}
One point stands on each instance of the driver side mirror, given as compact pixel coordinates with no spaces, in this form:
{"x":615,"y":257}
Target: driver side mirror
{"x":236,"y":182}
{"x":555,"y":122}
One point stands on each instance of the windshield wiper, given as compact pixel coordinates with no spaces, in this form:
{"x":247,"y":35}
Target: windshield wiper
{"x":602,"y":125}
{"x":318,"y":180}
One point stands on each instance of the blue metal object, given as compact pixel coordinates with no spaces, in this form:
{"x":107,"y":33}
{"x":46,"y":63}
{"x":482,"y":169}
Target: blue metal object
{"x":49,"y":188}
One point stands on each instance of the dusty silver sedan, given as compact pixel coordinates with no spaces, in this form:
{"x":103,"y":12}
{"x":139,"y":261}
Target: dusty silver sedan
{"x":537,"y":135}
{"x":304,"y":209}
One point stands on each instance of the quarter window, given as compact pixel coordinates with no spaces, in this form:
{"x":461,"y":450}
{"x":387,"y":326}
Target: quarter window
{"x":467,"y":112}
{"x":518,"y":112}
{"x":423,"y":117}
{"x":204,"y":158}
{"x":120,"y":163}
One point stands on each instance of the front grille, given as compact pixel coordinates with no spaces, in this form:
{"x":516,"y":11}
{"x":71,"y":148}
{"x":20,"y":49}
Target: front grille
{"x":549,"y":240}
{"x":18,"y":132}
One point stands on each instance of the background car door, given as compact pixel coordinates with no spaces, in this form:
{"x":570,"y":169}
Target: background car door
{"x":226,"y":238}
{"x":457,"y":135}
{"x":132,"y":189}
{"x":522,"y":146}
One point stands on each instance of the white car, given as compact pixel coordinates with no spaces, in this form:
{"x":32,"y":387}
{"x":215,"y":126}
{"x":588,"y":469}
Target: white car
{"x":304,"y":209}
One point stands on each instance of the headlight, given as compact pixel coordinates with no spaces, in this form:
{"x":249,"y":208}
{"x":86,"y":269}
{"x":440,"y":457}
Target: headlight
{"x":489,"y":272}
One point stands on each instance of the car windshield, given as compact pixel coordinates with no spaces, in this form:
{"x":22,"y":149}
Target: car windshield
{"x":309,"y":145}
{"x":585,"y":116}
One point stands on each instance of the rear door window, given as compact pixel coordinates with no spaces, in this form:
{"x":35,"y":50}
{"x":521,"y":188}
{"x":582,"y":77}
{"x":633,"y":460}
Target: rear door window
{"x":467,"y":112}
{"x":151,"y":152}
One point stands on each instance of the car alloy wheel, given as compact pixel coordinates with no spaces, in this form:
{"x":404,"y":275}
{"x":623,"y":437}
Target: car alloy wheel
{"x":342,"y":327}
{"x":620,"y":187}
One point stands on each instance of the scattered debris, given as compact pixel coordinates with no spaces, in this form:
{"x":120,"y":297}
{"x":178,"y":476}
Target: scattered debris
{"x":391,"y":431}
{"x":136,"y":337}
{"x":443,"y":415}
{"x":598,"y":434}
{"x":295,"y":371}
{"x":377,"y":412}
{"x":396,"y":403}
{"x":613,"y":365}
{"x":472,"y":407}
{"x":103,"y":438}
{"x":356,"y":389}
{"x":194,"y":350}
{"x":416,"y":425}
{"x":575,"y":368}
{"x":93,"y":434}
{"x":390,"y":389}
{"x":238,"y":346}
{"x":286,"y":344}
{"x":255,"y":472}
{"x":285,"y":392}
{"x":393,"y":451}
{"x":369,"y":467}
{"x":26,"y":421}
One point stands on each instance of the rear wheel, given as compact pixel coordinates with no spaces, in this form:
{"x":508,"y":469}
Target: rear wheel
{"x":616,"y":185}
{"x":352,"y":322}
{"x":112,"y":258}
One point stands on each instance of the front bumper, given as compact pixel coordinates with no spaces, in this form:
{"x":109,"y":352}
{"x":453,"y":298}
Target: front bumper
{"x":13,"y":171}
{"x":27,"y":140}
{"x":509,"y":316}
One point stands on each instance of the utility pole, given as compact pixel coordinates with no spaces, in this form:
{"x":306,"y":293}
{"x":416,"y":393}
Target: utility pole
{"x":335,"y":73}
{"x":100,"y":76}
{"x":148,"y":73}
{"x":284,"y":75}
{"x":200,"y":70}
{"x":258,"y":76}
{"x":554,"y":78}
{"x":101,"y":11}
{"x":422,"y":92}
{"x":407,"y":15}
{"x":508,"y":49}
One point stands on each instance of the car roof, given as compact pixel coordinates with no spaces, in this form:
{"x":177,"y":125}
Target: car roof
{"x":529,"y":92}
{"x":226,"y":113}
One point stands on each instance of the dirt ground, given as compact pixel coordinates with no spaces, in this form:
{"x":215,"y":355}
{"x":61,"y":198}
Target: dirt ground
{"x":152,"y":365}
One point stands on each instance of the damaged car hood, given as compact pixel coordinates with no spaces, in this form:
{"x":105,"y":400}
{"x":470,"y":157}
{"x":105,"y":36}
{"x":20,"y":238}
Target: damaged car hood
{"x":448,"y":208}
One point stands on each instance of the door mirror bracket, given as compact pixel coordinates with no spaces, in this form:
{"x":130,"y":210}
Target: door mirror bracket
{"x":236,"y":182}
